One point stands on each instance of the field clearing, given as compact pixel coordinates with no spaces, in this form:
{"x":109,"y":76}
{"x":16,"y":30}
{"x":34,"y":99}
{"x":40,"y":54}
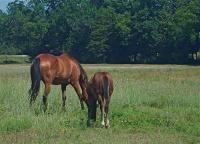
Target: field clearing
{"x":15,"y":59}
{"x":150,"y":104}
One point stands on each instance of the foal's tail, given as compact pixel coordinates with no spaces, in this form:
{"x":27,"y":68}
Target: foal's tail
{"x":106,"y":88}
{"x":35,"y":79}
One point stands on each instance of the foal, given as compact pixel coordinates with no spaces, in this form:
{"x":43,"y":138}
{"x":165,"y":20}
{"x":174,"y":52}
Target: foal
{"x":100,"y":87}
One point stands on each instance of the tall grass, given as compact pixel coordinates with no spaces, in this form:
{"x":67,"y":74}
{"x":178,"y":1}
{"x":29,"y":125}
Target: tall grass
{"x":150,"y":104}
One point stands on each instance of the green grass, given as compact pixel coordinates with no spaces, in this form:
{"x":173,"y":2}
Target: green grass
{"x":16,"y":124}
{"x":150,"y":104}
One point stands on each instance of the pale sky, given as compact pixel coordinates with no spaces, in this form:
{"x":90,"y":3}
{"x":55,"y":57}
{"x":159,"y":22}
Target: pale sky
{"x":4,"y":3}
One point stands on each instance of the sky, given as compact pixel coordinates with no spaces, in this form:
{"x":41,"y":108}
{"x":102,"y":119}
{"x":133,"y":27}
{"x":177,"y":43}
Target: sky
{"x":4,"y":3}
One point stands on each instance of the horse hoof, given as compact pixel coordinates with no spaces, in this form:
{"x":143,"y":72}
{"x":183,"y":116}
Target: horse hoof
{"x":102,"y":126}
{"x":90,"y":123}
{"x":107,"y":126}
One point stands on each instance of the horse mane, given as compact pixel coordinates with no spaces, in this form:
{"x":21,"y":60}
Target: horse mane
{"x":83,"y":73}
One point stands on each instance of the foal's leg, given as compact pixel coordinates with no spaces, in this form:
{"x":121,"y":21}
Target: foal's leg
{"x":106,"y":114}
{"x":91,"y":111}
{"x":102,"y":108}
{"x":64,"y":95}
{"x":77,"y":88}
{"x":46,"y":93}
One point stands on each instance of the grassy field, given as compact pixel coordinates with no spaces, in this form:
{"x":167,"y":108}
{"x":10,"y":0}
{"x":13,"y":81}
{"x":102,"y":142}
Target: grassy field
{"x":150,"y":104}
{"x":14,"y":59}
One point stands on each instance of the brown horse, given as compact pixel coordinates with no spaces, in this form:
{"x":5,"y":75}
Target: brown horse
{"x":57,"y":70}
{"x":100,"y":87}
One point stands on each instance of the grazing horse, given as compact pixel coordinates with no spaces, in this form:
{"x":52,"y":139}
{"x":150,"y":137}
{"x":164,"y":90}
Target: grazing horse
{"x":99,"y":88}
{"x":57,"y":70}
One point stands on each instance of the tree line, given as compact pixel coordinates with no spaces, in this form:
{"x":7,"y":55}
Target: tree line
{"x":104,"y":31}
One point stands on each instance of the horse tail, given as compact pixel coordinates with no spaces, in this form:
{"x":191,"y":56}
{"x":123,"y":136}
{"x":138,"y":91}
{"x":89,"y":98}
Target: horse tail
{"x":35,"y":78}
{"x":106,"y":88}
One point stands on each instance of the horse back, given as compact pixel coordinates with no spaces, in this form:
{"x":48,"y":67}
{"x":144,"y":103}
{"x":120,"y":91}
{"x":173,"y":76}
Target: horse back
{"x":51,"y":67}
{"x":72,"y":66}
{"x":61,"y":69}
{"x":99,"y":81}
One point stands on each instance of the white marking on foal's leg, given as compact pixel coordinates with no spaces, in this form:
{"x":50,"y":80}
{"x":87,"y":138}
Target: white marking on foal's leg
{"x":102,"y":122}
{"x":108,"y":122}
{"x":107,"y":125}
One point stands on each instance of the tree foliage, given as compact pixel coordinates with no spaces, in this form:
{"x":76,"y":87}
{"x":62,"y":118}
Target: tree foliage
{"x":122,"y":31}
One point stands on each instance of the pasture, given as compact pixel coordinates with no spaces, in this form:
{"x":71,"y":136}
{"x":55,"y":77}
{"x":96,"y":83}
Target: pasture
{"x":150,"y":104}
{"x":13,"y":59}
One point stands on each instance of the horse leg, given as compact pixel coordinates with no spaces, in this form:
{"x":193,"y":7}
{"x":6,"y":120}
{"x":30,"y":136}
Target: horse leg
{"x":95,"y":109}
{"x":106,"y":114}
{"x":77,"y":88}
{"x":102,"y":115}
{"x":91,"y":110}
{"x":64,"y":96}
{"x":46,"y":93}
{"x":102,"y":108}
